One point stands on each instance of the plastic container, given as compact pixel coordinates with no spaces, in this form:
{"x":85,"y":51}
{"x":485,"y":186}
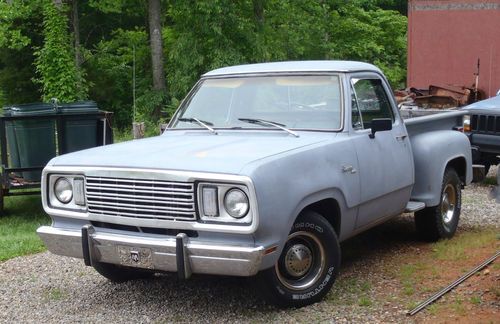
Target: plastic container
{"x":32,"y":141}
{"x":80,"y":132}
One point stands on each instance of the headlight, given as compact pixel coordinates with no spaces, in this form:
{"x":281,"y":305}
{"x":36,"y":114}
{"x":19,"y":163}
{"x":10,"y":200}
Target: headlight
{"x":236,"y":203}
{"x":466,"y":123}
{"x":229,"y":203}
{"x":63,"y":190}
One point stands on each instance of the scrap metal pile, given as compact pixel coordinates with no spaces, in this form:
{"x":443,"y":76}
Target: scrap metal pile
{"x":436,"y":97}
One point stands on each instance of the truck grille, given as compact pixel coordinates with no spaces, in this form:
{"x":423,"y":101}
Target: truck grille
{"x":140,"y":198}
{"x":485,"y":124}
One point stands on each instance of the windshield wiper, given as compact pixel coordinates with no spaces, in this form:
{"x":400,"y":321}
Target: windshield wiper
{"x":271,"y":123}
{"x":202,"y":123}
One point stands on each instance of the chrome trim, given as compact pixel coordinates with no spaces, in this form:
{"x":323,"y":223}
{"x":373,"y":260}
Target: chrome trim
{"x":201,"y":256}
{"x":154,"y":174}
{"x":223,"y":217}
{"x":153,"y":199}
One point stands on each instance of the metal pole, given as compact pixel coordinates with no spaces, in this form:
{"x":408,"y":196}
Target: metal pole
{"x":133,"y":81}
{"x":443,"y":291}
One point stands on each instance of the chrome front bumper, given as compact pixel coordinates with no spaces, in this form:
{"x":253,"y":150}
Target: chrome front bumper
{"x":174,"y":254}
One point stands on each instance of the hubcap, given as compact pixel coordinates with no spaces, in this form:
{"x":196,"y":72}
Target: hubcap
{"x":302,"y":261}
{"x":448,"y":203}
{"x":298,"y":260}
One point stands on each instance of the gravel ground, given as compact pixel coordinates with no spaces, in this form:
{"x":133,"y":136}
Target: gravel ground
{"x":49,"y":288}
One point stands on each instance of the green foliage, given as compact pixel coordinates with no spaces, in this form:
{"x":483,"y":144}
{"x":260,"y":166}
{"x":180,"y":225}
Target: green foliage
{"x":55,"y":66}
{"x":198,"y":36}
{"x":12,"y":13}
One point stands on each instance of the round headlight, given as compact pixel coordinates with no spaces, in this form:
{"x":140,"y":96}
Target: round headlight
{"x":236,"y":203}
{"x":63,"y":190}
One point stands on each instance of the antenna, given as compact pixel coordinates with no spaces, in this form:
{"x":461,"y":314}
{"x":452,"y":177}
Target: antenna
{"x":133,"y":82}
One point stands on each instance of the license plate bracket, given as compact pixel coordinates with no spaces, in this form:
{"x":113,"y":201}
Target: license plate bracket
{"x":138,"y":257}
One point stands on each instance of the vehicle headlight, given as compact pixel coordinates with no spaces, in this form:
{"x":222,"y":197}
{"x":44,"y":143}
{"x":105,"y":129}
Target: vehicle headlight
{"x":63,"y":190}
{"x":236,"y":203}
{"x":466,"y":123}
{"x":229,"y":203}
{"x":66,"y":191}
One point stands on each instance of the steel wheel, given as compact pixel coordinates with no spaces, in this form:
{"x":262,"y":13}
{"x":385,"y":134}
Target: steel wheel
{"x":448,"y":203}
{"x":308,"y":264}
{"x":302,"y":261}
{"x":441,"y":221}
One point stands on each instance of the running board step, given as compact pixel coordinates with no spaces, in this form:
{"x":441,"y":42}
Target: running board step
{"x":413,"y":206}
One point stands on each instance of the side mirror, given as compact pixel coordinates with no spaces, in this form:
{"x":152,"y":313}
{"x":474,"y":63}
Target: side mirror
{"x":380,"y":125}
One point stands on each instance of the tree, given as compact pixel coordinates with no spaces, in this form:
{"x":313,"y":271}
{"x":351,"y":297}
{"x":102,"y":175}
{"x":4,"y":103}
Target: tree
{"x":57,"y":72}
{"x":156,"y":43}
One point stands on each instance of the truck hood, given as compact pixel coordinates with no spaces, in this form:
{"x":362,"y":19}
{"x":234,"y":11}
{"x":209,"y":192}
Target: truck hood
{"x":227,"y":152}
{"x":488,"y":106}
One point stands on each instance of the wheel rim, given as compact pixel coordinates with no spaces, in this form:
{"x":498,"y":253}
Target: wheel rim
{"x":448,"y":203}
{"x":302,"y":261}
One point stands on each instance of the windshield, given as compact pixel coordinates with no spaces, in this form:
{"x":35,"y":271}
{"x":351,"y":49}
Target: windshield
{"x":296,"y":102}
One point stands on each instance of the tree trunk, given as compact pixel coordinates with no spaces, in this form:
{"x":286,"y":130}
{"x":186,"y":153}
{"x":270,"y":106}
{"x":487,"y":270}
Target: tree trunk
{"x":76,"y":33}
{"x":156,"y":43}
{"x":258,"y":10}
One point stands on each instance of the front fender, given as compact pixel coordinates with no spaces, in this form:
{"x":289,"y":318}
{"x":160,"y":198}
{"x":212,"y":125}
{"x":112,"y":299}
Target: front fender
{"x":432,"y":152}
{"x":286,"y":184}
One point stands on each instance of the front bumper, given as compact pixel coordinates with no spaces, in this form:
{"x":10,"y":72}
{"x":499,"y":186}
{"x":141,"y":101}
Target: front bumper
{"x":174,"y":254}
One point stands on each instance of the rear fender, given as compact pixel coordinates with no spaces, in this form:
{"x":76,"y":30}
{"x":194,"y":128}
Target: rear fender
{"x":432,"y":153}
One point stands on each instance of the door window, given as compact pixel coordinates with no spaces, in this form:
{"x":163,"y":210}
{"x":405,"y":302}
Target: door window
{"x":371,"y":100}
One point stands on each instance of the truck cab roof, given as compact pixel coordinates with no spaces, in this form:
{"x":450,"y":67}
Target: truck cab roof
{"x":294,"y":67}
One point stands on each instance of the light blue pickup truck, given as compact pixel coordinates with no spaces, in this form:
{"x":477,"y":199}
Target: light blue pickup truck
{"x":263,"y":170}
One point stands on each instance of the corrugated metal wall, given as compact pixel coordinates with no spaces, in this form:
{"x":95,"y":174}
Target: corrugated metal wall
{"x":446,"y":38}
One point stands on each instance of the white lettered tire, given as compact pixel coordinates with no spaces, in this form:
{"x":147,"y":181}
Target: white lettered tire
{"x":308,"y":264}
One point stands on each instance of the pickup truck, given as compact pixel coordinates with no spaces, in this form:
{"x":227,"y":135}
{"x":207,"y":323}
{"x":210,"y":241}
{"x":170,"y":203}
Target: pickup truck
{"x":263,"y":170}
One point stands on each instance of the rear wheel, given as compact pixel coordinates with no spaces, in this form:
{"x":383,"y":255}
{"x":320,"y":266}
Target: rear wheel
{"x":441,"y":221}
{"x":116,"y":273}
{"x":307,"y":266}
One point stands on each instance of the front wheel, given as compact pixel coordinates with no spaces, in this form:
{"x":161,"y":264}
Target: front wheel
{"x":441,"y":221}
{"x":307,"y":266}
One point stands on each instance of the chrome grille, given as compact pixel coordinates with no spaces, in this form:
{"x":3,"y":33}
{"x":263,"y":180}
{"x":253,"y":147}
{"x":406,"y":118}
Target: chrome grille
{"x":140,"y":198}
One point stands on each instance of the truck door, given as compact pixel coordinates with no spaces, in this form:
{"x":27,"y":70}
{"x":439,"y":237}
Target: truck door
{"x":385,"y":161}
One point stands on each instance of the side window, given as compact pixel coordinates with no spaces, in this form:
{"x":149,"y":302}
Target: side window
{"x":372,"y":101}
{"x":357,"y":123}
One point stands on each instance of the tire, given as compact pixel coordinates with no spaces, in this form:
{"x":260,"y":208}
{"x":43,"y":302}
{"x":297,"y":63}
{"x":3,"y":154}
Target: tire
{"x":441,"y":221}
{"x":307,"y":266}
{"x":487,"y":167}
{"x":117,"y":274}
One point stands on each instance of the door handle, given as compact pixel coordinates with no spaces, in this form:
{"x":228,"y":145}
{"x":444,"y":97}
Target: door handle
{"x":348,"y":169}
{"x":401,"y":137}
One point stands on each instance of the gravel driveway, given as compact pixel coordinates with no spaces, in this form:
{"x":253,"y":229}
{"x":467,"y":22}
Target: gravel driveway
{"x":49,"y":288}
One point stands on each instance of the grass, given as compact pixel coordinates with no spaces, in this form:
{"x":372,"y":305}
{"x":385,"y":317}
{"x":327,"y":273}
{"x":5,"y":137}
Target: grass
{"x":476,"y":300}
{"x":454,"y":249}
{"x":122,"y":135}
{"x":490,"y":181}
{"x":365,"y":301}
{"x":22,"y":216}
{"x":55,"y":294}
{"x":351,"y":290}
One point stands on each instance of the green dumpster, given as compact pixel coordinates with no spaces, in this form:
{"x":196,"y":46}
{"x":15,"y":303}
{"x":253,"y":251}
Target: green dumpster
{"x":80,"y":132}
{"x":34,"y":139}
{"x":11,"y":142}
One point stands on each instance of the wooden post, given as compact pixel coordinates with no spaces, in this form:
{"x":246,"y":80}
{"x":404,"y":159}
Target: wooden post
{"x":138,"y":130}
